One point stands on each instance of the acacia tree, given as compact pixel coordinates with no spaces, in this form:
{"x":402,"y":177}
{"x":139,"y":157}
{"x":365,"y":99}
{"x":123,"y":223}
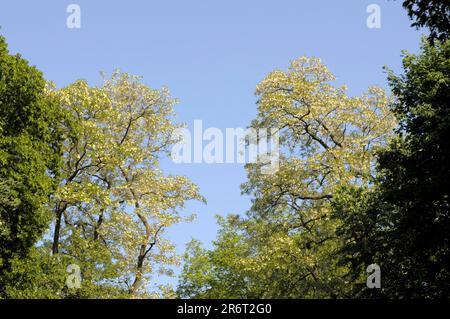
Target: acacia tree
{"x":286,"y":243}
{"x":114,"y":202}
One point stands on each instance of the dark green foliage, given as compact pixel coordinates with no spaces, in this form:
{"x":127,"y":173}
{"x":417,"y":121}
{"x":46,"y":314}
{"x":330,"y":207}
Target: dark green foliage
{"x":415,"y":170}
{"x":403,"y":224}
{"x":433,"y":14}
{"x":29,"y":155}
{"x":39,"y":275}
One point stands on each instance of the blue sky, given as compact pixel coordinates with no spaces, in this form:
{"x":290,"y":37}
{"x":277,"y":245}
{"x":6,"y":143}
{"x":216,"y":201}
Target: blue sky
{"x":211,"y":54}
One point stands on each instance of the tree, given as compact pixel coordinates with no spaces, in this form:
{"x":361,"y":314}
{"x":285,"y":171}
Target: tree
{"x":86,"y":160}
{"x":403,"y":224}
{"x":114,"y":203}
{"x":30,"y":143}
{"x":287,"y":241}
{"x":433,"y":14}
{"x":227,"y":271}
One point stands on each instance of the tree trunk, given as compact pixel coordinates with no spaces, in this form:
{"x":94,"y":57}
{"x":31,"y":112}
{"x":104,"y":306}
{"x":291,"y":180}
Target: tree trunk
{"x":138,"y":279}
{"x":59,"y":214}
{"x":56,"y":232}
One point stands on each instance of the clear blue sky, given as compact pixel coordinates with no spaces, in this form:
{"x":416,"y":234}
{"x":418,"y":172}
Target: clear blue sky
{"x":211,"y":54}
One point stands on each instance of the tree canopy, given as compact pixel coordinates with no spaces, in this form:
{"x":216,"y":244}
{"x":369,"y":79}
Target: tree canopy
{"x":403,"y":224}
{"x":30,"y":156}
{"x":432,"y":14}
{"x":362,"y":182}
{"x":284,"y":245}
{"x":81,"y":185}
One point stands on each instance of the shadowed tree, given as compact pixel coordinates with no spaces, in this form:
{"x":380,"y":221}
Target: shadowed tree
{"x":403,"y":224}
{"x":432,"y":14}
{"x":30,"y":153}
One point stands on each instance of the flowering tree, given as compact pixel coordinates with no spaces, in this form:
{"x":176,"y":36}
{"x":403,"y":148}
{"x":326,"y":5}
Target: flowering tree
{"x":114,"y":201}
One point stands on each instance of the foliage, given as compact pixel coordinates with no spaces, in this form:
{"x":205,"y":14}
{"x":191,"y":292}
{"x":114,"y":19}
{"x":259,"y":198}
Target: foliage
{"x":30,"y":142}
{"x":86,"y":160}
{"x":361,"y":180}
{"x":114,"y":202}
{"x":37,"y":276}
{"x":433,"y":14}
{"x":284,"y":248}
{"x":404,"y":224}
